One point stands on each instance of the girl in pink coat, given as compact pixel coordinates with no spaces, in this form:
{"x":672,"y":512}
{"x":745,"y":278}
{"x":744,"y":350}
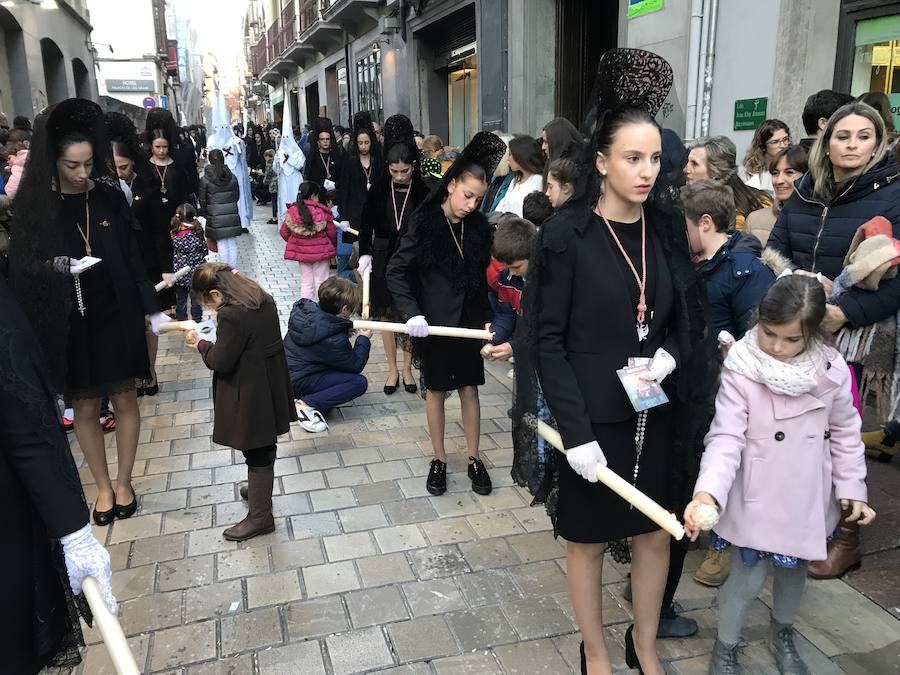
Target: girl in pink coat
{"x":782,"y":457}
{"x":311,"y":237}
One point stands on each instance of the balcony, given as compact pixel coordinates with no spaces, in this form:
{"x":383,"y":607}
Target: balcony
{"x":355,"y":16}
{"x":259,"y":56}
{"x":324,"y":35}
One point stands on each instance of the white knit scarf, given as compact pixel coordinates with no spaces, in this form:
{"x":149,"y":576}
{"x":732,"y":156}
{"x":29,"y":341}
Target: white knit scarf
{"x":791,"y":377}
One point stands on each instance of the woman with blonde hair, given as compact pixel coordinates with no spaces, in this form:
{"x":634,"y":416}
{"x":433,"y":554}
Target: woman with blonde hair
{"x":769,"y":139}
{"x":852,"y":178}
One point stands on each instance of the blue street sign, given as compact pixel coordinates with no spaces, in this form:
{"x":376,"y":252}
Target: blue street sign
{"x":164,"y":102}
{"x":149,"y":103}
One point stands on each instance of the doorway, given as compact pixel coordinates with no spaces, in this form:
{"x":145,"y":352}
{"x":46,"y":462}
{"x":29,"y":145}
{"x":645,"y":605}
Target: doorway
{"x":54,"y":72}
{"x":462,"y":102}
{"x":312,"y":102}
{"x":585,"y":29}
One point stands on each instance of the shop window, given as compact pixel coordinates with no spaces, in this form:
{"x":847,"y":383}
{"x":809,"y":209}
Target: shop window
{"x":876,"y":60}
{"x":368,"y":84}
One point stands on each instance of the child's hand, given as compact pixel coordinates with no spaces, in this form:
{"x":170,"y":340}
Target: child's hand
{"x":501,"y":352}
{"x":191,"y":338}
{"x":691,"y":527}
{"x":365,"y":333}
{"x":861,"y":512}
{"x":486,"y":351}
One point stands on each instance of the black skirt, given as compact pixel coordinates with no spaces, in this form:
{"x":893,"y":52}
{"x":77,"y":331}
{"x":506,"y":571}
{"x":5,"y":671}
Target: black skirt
{"x":448,"y":363}
{"x":591,"y":513}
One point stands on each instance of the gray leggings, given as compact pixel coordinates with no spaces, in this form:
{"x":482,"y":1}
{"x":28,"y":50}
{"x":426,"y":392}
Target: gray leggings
{"x":744,"y":585}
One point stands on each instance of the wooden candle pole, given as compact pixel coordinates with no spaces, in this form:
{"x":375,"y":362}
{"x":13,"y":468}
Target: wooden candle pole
{"x":616,"y":483}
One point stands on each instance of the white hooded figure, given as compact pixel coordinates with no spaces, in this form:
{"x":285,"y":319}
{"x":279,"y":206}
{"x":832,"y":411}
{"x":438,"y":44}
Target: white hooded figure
{"x":291,"y":160}
{"x":232,"y":147}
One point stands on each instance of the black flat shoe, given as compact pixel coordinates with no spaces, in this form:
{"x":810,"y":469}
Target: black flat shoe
{"x":152,"y":389}
{"x":583,"y":660}
{"x":392,"y":388}
{"x":436,"y":483}
{"x":104,"y":518}
{"x":410,"y":388}
{"x":631,"y":657}
{"x":128,"y":510}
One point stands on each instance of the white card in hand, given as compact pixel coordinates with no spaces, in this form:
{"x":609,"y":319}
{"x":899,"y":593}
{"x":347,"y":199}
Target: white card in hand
{"x":329,"y":185}
{"x":79,"y":266}
{"x":206,"y":330}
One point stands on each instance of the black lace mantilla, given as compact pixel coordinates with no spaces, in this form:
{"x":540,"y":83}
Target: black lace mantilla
{"x":632,"y":78}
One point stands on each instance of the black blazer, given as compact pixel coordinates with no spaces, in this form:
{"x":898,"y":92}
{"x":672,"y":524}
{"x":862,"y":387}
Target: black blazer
{"x":315,"y":167}
{"x":353,"y":193}
{"x":375,"y":223}
{"x":427,"y":276}
{"x":586,"y":326}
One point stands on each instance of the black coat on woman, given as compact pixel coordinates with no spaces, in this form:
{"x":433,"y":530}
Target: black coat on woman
{"x":356,"y":184}
{"x":219,"y":195}
{"x":579,"y":310}
{"x":427,"y":276}
{"x":254,"y":403}
{"x":157,"y":243}
{"x":116,"y":292}
{"x":379,"y":233}
{"x":321,"y":167}
{"x":41,"y":499}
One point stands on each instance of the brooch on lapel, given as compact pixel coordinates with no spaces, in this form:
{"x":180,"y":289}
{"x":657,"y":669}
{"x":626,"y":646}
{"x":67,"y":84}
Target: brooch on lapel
{"x":104,"y":223}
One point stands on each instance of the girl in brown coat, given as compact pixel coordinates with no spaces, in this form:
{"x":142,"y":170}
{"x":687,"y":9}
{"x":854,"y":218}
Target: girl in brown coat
{"x":251,"y":387}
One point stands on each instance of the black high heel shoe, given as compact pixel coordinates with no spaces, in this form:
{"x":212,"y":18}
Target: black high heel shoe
{"x":583,"y":660}
{"x":631,"y":657}
{"x":392,"y":388}
{"x":410,"y":388}
{"x":127,"y":510}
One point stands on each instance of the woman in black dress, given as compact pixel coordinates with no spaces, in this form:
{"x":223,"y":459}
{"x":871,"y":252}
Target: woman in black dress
{"x":612,"y":281}
{"x":437,"y":276}
{"x":91,"y":324}
{"x":391,"y":201}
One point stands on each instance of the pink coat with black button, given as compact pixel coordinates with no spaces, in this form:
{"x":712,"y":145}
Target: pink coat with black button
{"x":777,"y":465}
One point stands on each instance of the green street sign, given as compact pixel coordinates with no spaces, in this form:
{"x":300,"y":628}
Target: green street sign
{"x":749,"y":113}
{"x":638,"y":8}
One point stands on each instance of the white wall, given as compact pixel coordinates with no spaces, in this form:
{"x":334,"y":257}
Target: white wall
{"x":129,"y":32}
{"x":746,"y":47}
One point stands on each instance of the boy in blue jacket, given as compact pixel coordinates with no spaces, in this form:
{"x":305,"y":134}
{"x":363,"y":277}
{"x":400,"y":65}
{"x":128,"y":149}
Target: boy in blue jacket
{"x":513,"y":241}
{"x":736,"y":279}
{"x":325,"y":369}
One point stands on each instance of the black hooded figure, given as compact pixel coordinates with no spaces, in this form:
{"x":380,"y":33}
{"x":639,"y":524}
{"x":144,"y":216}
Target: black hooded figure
{"x":438,"y":276}
{"x":396,"y":193}
{"x":362,"y":170}
{"x":91,"y":325}
{"x":325,"y":159}
{"x":611,"y":279}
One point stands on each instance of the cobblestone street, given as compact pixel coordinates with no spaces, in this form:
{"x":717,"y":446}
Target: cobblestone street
{"x":366,"y":572}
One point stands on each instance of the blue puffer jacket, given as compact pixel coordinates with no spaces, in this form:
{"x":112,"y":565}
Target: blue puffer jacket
{"x":316,"y":342}
{"x":736,"y":281}
{"x":816,"y":237}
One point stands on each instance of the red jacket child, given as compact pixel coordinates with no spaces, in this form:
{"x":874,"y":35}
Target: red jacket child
{"x":309,"y":231}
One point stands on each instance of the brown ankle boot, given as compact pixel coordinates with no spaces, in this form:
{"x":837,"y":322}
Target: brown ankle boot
{"x":259,"y":520}
{"x":843,"y":552}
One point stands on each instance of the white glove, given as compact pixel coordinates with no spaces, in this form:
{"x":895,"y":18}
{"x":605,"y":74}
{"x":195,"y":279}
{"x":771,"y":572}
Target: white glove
{"x":725,"y":338}
{"x":365,"y":263}
{"x":157,"y":320}
{"x":86,"y":557}
{"x":343,"y":225}
{"x":661,"y":365}
{"x":328,"y":185}
{"x":417,"y":327}
{"x":585,"y":458}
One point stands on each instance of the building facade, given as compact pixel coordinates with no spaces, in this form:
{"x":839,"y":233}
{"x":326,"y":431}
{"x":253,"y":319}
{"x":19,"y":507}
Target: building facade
{"x":456,"y":66}
{"x":46,"y":55}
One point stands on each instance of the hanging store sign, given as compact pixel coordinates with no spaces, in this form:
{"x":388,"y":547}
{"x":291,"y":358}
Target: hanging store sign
{"x":130,"y":85}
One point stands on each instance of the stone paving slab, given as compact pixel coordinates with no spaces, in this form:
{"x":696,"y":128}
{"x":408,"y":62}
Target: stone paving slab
{"x":367,"y":572}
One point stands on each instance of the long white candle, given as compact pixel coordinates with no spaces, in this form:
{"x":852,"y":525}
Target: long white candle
{"x":175,"y":277}
{"x":444,"y":331}
{"x":621,"y":487}
{"x":366,"y":290}
{"x":110,"y":630}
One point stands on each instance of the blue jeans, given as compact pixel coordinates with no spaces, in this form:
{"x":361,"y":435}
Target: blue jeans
{"x":342,"y":270}
{"x":181,"y":297}
{"x":331,"y":389}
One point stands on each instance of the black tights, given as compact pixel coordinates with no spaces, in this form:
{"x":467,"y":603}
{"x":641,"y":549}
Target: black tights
{"x":260,"y":457}
{"x":677,"y":552}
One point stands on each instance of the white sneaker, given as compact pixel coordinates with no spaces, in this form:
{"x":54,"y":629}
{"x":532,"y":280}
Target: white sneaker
{"x":311,"y":419}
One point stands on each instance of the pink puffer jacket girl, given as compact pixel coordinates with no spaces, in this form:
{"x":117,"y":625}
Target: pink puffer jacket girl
{"x":309,"y":242}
